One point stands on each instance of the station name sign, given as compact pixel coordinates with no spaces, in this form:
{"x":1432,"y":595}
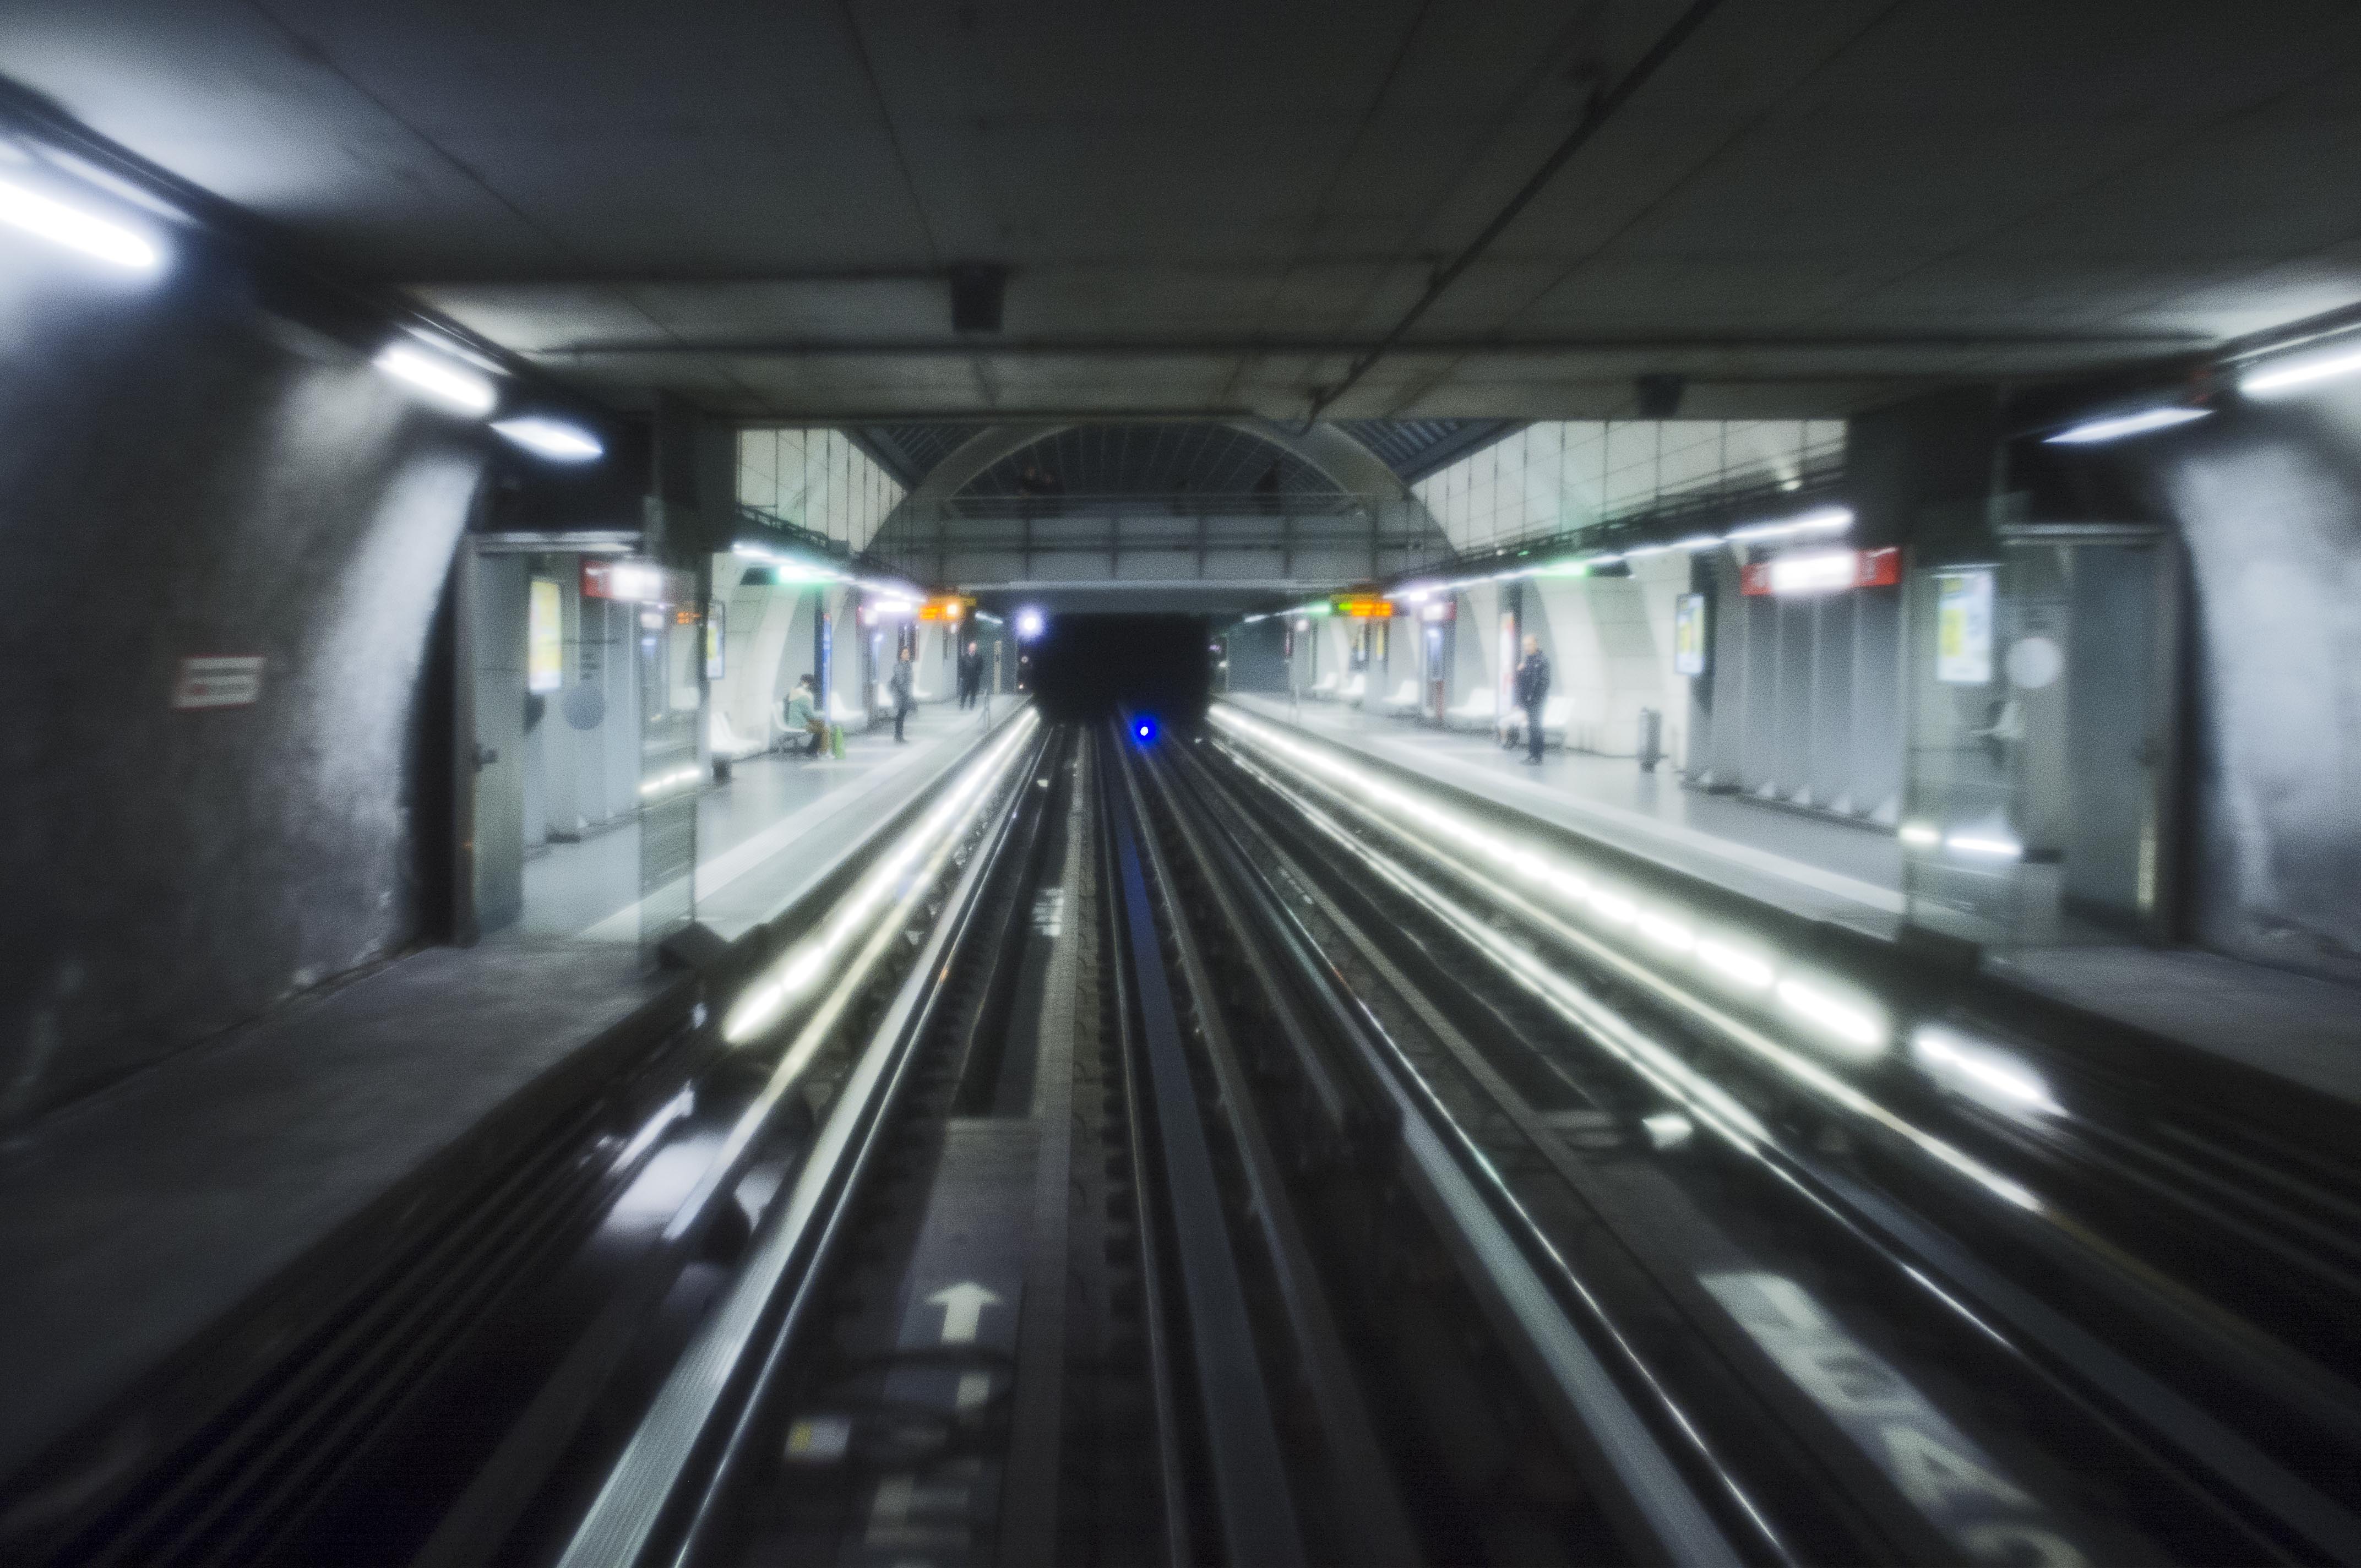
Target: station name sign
{"x":642,"y":582}
{"x":1822,"y":571}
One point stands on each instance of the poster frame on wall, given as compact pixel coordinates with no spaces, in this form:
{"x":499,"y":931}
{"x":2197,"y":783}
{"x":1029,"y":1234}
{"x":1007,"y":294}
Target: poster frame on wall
{"x":1692,"y":631}
{"x":545,"y":637}
{"x":1964,"y":626}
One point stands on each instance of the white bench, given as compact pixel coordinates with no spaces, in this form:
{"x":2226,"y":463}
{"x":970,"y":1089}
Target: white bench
{"x":1404,"y":704}
{"x":1479,"y":712}
{"x":726,"y":742}
{"x":1356,"y":690}
{"x":1557,"y":713}
{"x":1325,"y":688}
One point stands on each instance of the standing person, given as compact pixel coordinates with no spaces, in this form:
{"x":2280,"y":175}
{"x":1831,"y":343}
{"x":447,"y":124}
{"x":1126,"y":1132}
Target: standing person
{"x":970,"y":674}
{"x":900,"y":683}
{"x":1533,"y":690}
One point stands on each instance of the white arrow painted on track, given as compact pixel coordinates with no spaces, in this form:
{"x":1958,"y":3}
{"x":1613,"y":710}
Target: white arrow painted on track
{"x":962,"y":1306}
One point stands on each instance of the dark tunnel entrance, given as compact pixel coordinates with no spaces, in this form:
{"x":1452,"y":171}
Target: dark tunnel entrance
{"x":1087,"y":666}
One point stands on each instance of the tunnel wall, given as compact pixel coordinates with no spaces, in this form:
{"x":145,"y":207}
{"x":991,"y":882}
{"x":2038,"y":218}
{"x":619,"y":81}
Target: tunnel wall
{"x":182,"y":477}
{"x":2267,"y":500}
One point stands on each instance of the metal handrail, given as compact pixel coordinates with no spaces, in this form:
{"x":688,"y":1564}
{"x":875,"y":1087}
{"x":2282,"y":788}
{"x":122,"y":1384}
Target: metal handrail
{"x":1172,"y":503}
{"x":1821,"y":477}
{"x":811,"y":539}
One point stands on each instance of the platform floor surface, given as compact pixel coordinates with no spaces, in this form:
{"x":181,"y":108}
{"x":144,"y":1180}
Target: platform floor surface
{"x":1826,"y":870}
{"x":2293,"y":1026}
{"x":134,"y":1219}
{"x":748,"y":831}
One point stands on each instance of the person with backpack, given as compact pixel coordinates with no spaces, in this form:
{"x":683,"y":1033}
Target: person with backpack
{"x":803,"y":714}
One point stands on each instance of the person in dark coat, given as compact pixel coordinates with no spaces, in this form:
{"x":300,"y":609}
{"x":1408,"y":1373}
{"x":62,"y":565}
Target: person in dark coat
{"x":1533,"y":690}
{"x":903,"y":684}
{"x":970,"y":674}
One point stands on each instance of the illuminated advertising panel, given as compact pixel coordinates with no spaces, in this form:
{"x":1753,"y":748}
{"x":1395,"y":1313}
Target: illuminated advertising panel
{"x":1688,"y":634}
{"x":717,"y":626}
{"x":544,"y":637}
{"x":1963,"y":627}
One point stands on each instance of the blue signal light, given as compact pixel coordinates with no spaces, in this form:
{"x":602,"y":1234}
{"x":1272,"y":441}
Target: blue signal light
{"x":1145,"y":729}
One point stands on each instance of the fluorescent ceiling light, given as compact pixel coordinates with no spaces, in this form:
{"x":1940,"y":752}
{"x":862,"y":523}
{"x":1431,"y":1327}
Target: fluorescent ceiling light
{"x":1853,"y":1026}
{"x":1824,"y":519}
{"x":71,"y":227}
{"x":1990,"y":1075}
{"x":2288,"y":375}
{"x":444,"y":380}
{"x":552,"y":438}
{"x":1994,"y":849}
{"x":1735,"y":965}
{"x":2117,"y":426}
{"x":1697,"y":541}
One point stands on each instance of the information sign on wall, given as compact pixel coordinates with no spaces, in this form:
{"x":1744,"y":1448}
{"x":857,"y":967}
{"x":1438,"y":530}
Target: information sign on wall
{"x":1963,"y":627}
{"x":1688,"y":634}
{"x":219,"y":682}
{"x":717,"y":639}
{"x":643,"y":581}
{"x":544,"y":637}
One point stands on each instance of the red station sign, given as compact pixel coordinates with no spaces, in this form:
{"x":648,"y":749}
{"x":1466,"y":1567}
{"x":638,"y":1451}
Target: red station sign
{"x":1797,"y":572}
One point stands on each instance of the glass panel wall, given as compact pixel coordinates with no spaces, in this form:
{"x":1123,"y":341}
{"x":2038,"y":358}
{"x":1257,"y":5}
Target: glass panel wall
{"x":817,"y":480}
{"x":1562,"y":476}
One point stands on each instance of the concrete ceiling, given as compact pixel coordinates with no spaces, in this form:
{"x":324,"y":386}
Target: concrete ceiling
{"x":1207,"y":207}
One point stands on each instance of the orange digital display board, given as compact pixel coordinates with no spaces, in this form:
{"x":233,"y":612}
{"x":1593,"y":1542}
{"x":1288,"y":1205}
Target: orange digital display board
{"x":946,"y":610}
{"x":1369,"y":609}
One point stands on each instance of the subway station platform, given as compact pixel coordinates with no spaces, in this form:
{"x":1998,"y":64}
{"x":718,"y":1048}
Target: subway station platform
{"x":2292,"y":1027}
{"x":140,"y":1226}
{"x":754,"y":834}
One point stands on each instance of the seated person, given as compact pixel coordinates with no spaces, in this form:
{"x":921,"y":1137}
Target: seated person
{"x":802,"y":713}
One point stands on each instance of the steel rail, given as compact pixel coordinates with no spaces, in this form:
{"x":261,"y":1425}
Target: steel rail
{"x":2244,"y":1488}
{"x":1626,"y":1451}
{"x":1363,"y":1495}
{"x":695,"y":1429}
{"x":1251,"y":1497}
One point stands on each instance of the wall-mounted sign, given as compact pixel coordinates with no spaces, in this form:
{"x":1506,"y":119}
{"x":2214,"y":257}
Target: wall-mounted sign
{"x":1822,"y":571}
{"x":643,"y":582}
{"x":1963,"y":627}
{"x":949,"y":608}
{"x":545,"y":637}
{"x":717,"y":640}
{"x":1361,"y":608}
{"x":1688,"y":634}
{"x":234,"y":681}
{"x":1506,"y":698}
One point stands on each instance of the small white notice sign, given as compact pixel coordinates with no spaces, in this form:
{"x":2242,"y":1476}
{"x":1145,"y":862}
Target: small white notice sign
{"x":219,"y":682}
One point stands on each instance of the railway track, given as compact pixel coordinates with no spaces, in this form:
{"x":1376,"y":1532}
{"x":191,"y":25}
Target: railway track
{"x":1168,"y":1149}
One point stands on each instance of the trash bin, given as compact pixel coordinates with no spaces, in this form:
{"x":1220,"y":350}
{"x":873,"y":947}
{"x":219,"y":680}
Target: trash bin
{"x":1652,"y":739}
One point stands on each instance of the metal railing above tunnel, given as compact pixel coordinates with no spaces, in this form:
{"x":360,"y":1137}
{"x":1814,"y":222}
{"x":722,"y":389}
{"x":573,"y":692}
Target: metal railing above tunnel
{"x":1182,"y":537}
